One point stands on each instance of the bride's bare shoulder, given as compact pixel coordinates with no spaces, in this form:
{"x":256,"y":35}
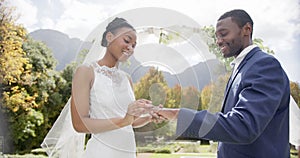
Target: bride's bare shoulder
{"x":84,"y":70}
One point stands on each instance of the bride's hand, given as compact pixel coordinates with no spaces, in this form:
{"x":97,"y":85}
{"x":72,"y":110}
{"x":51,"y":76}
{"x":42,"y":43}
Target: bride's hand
{"x":155,"y":117}
{"x":136,"y":109}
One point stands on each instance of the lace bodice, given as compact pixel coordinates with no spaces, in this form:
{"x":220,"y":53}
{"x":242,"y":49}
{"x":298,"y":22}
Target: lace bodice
{"x":113,"y":73}
{"x":111,"y":92}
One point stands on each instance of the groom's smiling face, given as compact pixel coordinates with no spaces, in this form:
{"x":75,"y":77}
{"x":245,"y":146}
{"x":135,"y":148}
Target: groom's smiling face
{"x":229,"y":37}
{"x":122,"y":43}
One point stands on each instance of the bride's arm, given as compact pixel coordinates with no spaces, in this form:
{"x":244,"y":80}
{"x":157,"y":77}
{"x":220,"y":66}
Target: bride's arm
{"x":82,"y":82}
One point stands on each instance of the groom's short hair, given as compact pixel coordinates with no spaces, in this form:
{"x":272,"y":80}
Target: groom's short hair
{"x":239,"y":16}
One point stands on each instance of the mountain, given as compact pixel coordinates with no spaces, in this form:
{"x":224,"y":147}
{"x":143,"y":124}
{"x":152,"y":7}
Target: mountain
{"x":65,"y":50}
{"x":63,"y":47}
{"x":198,"y":75}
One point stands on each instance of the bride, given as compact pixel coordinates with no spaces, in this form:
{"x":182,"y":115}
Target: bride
{"x":102,"y":103}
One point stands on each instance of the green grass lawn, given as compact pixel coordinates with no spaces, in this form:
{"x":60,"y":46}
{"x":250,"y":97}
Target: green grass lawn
{"x":24,"y":156}
{"x":204,"y":155}
{"x":202,"y":152}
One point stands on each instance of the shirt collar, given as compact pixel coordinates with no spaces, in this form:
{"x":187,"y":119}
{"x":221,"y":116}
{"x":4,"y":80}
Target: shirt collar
{"x":236,"y":62}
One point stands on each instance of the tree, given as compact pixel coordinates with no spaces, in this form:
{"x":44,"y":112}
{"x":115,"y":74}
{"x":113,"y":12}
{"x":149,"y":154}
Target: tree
{"x":45,"y":86}
{"x":49,"y":86}
{"x":295,"y":92}
{"x":15,"y":75}
{"x":67,"y":74}
{"x":15,"y":67}
{"x":152,"y":83}
{"x":174,"y":96}
{"x":190,"y":98}
{"x":32,"y":89}
{"x":153,"y":87}
{"x":206,"y":96}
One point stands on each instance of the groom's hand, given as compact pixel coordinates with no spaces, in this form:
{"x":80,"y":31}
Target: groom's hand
{"x":168,"y":113}
{"x":156,"y":118}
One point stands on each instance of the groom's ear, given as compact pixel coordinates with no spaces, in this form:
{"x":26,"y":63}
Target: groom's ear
{"x":109,"y":37}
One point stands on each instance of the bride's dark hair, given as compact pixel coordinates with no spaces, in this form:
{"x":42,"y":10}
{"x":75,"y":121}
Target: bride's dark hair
{"x":113,"y":26}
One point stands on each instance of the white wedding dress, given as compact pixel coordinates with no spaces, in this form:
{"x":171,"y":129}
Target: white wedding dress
{"x":110,"y":96}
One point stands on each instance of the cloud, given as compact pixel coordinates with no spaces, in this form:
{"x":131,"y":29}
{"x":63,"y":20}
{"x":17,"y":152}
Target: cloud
{"x":27,"y":12}
{"x":79,"y":18}
{"x":276,"y":26}
{"x":275,"y":21}
{"x":47,"y":23}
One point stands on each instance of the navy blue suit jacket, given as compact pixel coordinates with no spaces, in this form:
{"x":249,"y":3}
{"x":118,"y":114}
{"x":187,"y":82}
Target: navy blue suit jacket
{"x":254,"y":121}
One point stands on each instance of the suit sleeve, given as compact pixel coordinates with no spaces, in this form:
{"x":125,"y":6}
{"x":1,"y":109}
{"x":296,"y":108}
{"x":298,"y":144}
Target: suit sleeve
{"x":259,"y":94}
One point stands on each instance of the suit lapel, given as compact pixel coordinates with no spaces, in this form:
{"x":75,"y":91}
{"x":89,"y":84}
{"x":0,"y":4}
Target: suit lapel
{"x":233,"y":76}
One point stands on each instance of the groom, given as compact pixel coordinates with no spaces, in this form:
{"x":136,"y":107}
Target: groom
{"x":254,"y":121}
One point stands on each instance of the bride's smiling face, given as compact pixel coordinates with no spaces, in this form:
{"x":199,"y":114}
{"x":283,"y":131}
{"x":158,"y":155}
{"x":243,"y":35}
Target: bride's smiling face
{"x":122,"y":43}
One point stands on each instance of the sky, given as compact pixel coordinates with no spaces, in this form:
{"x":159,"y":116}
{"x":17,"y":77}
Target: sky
{"x":277,"y":22}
